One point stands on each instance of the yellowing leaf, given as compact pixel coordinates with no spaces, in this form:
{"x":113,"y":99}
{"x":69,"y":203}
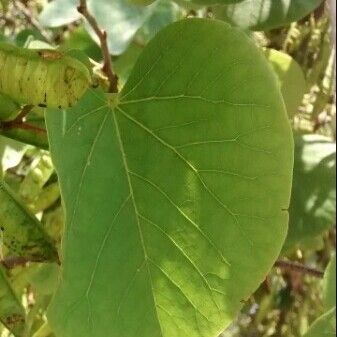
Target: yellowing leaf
{"x":12,"y":314}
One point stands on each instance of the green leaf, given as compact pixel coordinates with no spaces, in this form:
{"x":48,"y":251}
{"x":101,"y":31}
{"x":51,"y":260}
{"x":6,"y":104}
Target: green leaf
{"x":46,"y":198}
{"x":9,"y":109}
{"x":141,"y":2}
{"x":80,"y":39}
{"x":12,"y":314}
{"x":291,"y":77}
{"x":125,"y":62}
{"x":313,"y":204}
{"x":59,"y":13}
{"x":21,"y":232}
{"x":265,"y":14}
{"x":173,"y":190}
{"x":329,"y":284}
{"x":44,"y":331}
{"x":27,"y":34}
{"x":118,"y":18}
{"x":212,"y":2}
{"x":43,"y":278}
{"x":36,"y":177}
{"x":324,"y":326}
{"x":165,"y":12}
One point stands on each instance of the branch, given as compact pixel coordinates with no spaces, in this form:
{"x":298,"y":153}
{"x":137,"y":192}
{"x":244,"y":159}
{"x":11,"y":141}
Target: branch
{"x":19,"y":123}
{"x":102,"y":35}
{"x":31,"y":20}
{"x":298,"y":267}
{"x":13,"y":261}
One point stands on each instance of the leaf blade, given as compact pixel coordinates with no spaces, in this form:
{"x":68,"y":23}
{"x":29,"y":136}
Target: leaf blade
{"x":174,"y":260}
{"x":313,"y":202}
{"x":291,"y":77}
{"x":12,"y":313}
{"x":265,"y":14}
{"x":325,"y":325}
{"x":329,"y":285}
{"x":20,"y":230}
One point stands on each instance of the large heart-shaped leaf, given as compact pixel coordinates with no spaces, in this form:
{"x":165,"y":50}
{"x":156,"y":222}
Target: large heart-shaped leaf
{"x":265,"y":14}
{"x":175,"y":190}
{"x":313,"y":202}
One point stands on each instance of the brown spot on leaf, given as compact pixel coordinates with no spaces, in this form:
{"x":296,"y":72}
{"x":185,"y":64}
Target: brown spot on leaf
{"x":50,"y":54}
{"x":14,"y":319}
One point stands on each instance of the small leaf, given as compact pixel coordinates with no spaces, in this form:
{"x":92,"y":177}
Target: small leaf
{"x":324,"y":326}
{"x":165,"y":12}
{"x":265,"y":14}
{"x":174,"y":195}
{"x":8,"y":108}
{"x":38,"y":174}
{"x":212,"y":2}
{"x":47,"y":197}
{"x":21,"y":232}
{"x":27,"y":35}
{"x":140,"y":2}
{"x":313,"y":202}
{"x":44,"y":277}
{"x":59,"y":13}
{"x":329,"y":293}
{"x":80,"y":39}
{"x":12,"y":314}
{"x":44,"y":331}
{"x":125,"y":62}
{"x":291,"y":77}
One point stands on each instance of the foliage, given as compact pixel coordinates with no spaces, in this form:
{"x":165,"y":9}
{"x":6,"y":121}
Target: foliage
{"x":314,"y":189}
{"x":159,"y":210}
{"x":265,"y":14}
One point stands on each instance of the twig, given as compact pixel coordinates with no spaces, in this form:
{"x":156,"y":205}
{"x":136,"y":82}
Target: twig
{"x":24,"y":112}
{"x":31,"y":20}
{"x":298,"y":267}
{"x":25,"y":126}
{"x":13,"y":261}
{"x":102,"y":35}
{"x":19,"y":123}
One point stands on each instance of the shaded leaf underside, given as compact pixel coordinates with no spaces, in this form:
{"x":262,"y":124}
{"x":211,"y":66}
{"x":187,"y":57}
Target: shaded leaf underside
{"x":266,"y":14}
{"x":313,"y":202}
{"x":175,"y":196}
